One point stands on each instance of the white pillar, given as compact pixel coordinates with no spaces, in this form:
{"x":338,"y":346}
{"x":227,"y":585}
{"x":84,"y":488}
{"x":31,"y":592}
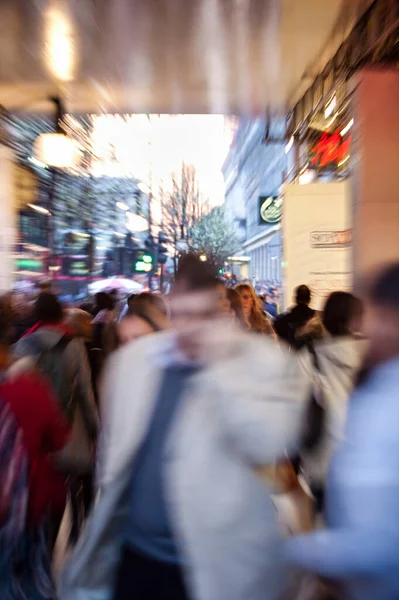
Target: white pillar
{"x":7,"y":218}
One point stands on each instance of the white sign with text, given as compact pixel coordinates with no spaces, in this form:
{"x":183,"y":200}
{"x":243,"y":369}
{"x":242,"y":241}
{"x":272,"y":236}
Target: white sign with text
{"x":317,"y":228}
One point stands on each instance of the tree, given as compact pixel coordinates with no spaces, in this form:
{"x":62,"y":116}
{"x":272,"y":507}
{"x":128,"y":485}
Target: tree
{"x":214,"y":236}
{"x":183,"y":208}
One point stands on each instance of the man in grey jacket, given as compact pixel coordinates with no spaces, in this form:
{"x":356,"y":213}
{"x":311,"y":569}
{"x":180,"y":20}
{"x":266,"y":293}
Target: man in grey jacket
{"x":190,"y":416}
{"x":47,"y":334}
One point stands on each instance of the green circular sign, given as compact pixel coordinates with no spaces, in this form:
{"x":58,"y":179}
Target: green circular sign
{"x":271,"y":210}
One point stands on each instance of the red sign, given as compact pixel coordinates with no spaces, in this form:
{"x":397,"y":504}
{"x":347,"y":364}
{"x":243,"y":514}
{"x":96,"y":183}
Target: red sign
{"x":331,"y":149}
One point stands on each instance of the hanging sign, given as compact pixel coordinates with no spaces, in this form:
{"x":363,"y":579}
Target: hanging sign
{"x":270,"y":210}
{"x":331,"y":150}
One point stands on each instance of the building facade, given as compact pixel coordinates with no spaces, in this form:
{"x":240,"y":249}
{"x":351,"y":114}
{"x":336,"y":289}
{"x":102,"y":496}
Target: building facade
{"x":255,"y":168}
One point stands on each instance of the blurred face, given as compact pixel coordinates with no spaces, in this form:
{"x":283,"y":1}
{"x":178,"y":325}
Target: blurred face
{"x":247,"y":301}
{"x":223,"y":301}
{"x":381,"y":327}
{"x":191,"y":313}
{"x":132,"y":328}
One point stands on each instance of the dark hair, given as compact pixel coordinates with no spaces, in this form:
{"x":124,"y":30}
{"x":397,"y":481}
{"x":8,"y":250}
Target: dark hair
{"x":48,"y":308}
{"x":339,"y":310}
{"x":104,"y":301}
{"x":147,"y":298}
{"x":303,"y":295}
{"x":194,"y":275}
{"x":384,"y":290}
{"x":146,"y":313}
{"x":236,"y":306}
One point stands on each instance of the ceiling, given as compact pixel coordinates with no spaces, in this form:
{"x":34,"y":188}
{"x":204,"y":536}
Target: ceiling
{"x":167,"y":56}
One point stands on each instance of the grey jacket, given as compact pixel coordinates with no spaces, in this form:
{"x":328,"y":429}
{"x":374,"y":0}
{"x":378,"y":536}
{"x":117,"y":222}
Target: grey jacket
{"x":74,"y":361}
{"x":241,"y":411}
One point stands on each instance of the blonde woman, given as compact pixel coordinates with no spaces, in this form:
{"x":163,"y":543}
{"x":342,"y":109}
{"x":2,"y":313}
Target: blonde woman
{"x":253,"y":312}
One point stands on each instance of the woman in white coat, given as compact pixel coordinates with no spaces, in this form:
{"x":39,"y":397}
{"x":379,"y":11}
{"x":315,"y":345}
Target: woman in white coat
{"x":333,"y":362}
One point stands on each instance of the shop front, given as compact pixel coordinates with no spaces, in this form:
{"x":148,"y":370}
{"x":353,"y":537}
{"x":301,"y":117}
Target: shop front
{"x":265,"y":249}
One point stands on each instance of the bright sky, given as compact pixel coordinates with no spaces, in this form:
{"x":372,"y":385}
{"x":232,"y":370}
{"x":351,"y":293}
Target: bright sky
{"x":155,"y":147}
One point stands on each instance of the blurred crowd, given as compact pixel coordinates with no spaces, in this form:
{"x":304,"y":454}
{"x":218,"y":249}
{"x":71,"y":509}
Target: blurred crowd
{"x":207,"y":446}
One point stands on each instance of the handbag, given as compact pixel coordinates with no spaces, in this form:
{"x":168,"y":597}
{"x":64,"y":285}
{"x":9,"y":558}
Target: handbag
{"x":315,"y":415}
{"x":77,"y":457}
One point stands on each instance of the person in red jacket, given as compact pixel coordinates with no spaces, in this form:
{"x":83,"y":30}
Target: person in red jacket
{"x":45,"y":431}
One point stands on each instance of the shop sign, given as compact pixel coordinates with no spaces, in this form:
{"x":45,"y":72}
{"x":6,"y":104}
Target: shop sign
{"x":331,"y":239}
{"x":331,"y":150}
{"x":270,"y":210}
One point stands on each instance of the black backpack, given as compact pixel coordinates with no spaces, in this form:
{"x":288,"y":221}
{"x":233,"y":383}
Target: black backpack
{"x":51,"y":363}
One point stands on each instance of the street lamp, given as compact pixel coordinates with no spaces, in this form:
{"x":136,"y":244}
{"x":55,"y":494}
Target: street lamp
{"x":136,"y":222}
{"x":56,"y":150}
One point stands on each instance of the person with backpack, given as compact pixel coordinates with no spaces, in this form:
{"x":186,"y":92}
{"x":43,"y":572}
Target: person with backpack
{"x":33,"y":431}
{"x":51,"y":349}
{"x":55,"y":352}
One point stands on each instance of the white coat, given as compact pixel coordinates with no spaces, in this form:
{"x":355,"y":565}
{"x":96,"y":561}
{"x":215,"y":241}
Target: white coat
{"x":339,"y":359}
{"x":241,"y":411}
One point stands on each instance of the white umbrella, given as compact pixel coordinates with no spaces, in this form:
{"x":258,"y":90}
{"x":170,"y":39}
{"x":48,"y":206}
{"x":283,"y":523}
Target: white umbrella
{"x":115,"y":283}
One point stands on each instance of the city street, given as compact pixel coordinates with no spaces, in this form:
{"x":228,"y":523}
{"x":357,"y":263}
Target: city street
{"x":199,"y":300}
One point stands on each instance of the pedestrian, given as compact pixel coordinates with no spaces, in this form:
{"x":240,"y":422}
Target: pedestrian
{"x":143,"y":317}
{"x":359,"y":548}
{"x":54,"y":340}
{"x":333,"y":363}
{"x":257,"y":321}
{"x":33,"y":492}
{"x":270,"y":305}
{"x":288,"y":324}
{"x":80,"y":323}
{"x":105,"y":335}
{"x":51,"y":348}
{"x":81,"y":486}
{"x":191,"y":414}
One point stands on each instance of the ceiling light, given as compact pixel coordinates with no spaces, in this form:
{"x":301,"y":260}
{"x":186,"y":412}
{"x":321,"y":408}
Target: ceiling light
{"x":60,"y":52}
{"x":344,"y":160}
{"x":330,"y":106}
{"x":307,"y":177}
{"x":289,"y":145}
{"x":347,"y":127}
